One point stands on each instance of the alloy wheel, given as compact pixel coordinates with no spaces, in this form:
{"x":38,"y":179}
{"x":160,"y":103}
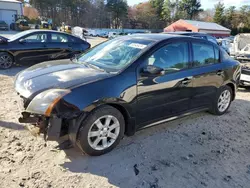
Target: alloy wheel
{"x":103,"y":132}
{"x":5,"y":61}
{"x":224,"y":100}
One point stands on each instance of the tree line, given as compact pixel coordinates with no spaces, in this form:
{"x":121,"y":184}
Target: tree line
{"x":153,"y":14}
{"x":238,"y":20}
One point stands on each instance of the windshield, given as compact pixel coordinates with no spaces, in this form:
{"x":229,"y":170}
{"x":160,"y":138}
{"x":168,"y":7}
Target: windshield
{"x":19,"y":35}
{"x":2,"y":22}
{"x":116,"y":54}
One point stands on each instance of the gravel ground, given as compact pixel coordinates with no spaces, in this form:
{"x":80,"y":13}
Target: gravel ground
{"x":201,"y":150}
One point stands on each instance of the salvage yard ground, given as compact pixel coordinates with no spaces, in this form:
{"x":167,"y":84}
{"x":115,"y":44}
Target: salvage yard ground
{"x":201,"y":150}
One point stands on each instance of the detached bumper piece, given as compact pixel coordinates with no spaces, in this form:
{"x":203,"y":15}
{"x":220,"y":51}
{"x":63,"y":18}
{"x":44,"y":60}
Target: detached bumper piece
{"x":49,"y":126}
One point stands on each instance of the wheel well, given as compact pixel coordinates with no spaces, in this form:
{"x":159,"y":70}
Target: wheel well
{"x":233,"y":89}
{"x":124,"y":113}
{"x":9,"y":54}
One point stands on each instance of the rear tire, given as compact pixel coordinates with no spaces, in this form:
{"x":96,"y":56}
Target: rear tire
{"x":222,"y":101}
{"x":6,"y":60}
{"x":101,"y":131}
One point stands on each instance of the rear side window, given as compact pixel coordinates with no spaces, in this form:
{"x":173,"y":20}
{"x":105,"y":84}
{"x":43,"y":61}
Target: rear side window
{"x":204,"y":54}
{"x":74,"y":40}
{"x":57,"y":37}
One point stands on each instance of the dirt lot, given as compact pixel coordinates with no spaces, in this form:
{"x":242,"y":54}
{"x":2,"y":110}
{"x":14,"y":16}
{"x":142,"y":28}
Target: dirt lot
{"x":201,"y":150}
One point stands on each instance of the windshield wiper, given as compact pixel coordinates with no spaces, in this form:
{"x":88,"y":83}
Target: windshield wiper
{"x":95,"y":67}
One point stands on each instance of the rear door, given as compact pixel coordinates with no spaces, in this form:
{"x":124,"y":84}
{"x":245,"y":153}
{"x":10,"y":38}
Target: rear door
{"x":78,"y":45}
{"x":208,"y":74}
{"x":60,"y":46}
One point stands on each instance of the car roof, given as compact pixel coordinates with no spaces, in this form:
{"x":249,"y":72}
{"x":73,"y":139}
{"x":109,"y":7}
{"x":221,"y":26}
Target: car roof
{"x":187,"y":33}
{"x":45,"y":30}
{"x":154,"y":37}
{"x":50,"y":31}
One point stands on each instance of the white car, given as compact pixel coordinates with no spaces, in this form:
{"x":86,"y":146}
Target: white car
{"x":112,"y":35}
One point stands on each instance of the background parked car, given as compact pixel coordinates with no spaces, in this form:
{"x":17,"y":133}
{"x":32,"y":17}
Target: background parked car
{"x":20,"y":25}
{"x":225,"y":44}
{"x":245,"y":75}
{"x":241,"y":47}
{"x":113,"y":35}
{"x":3,"y":25}
{"x":103,"y":35}
{"x":124,"y":85}
{"x":34,"y":46}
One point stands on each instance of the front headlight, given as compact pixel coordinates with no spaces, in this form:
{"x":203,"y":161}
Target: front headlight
{"x":44,"y":102}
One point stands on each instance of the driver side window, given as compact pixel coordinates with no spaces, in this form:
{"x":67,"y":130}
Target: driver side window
{"x":40,"y":37}
{"x":172,"y":57}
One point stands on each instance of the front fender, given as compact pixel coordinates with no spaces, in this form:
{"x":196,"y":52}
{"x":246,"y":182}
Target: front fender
{"x":118,"y":90}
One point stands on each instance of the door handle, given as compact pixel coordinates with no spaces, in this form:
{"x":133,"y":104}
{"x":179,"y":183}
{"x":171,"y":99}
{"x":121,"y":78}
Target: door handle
{"x":220,"y":73}
{"x":186,"y":81}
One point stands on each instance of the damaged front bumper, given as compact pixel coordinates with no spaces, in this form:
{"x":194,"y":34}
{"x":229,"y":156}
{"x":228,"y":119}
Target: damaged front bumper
{"x":50,"y":127}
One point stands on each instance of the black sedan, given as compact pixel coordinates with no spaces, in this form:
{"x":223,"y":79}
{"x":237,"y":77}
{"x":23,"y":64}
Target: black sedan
{"x":35,"y":46}
{"x":124,"y":85}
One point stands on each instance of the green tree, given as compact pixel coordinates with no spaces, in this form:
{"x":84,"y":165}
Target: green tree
{"x":118,"y":10}
{"x":158,"y":5}
{"x":190,"y":8}
{"x":146,"y":15}
{"x":230,"y":17}
{"x":167,"y":11}
{"x":245,"y":15}
{"x":219,"y":14}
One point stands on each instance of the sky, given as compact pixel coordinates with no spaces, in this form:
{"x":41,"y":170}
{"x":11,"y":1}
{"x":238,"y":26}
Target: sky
{"x":206,"y":3}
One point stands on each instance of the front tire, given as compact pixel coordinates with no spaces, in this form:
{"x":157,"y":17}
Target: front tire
{"x":6,"y":60}
{"x":101,"y":131}
{"x":222,"y":101}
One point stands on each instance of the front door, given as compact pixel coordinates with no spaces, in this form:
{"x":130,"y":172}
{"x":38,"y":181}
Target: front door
{"x":208,"y":74}
{"x":167,"y":94}
{"x":32,"y":48}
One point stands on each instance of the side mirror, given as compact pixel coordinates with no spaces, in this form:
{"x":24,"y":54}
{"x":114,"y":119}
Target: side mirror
{"x":151,"y":69}
{"x":3,"y":41}
{"x":22,"y":41}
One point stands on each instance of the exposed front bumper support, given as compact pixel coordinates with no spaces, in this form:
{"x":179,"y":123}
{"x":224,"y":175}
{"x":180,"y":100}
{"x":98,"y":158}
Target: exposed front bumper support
{"x":54,"y":129}
{"x":49,"y":126}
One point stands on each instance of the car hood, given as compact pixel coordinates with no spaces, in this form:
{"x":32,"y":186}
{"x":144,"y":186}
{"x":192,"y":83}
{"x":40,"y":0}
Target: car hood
{"x":55,"y":74}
